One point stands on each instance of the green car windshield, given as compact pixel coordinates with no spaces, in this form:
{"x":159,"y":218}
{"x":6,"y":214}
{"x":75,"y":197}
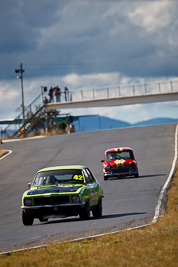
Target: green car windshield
{"x":125,"y":154}
{"x":55,"y":177}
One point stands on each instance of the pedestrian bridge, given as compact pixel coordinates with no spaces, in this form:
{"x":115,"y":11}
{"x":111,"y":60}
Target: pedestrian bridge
{"x":119,"y":95}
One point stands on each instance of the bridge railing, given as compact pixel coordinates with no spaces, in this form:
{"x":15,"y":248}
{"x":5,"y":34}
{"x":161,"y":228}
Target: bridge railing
{"x":125,"y":91}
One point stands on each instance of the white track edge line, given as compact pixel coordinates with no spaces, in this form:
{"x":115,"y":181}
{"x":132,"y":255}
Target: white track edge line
{"x":158,"y":207}
{"x":7,"y":154}
{"x":155,"y":218}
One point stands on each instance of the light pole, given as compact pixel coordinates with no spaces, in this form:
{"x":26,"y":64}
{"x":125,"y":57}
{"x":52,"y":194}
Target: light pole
{"x":21,"y":77}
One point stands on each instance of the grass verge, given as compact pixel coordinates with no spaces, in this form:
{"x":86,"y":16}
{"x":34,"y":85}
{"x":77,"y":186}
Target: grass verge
{"x":155,"y":245}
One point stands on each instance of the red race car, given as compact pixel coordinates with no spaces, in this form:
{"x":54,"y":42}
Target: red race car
{"x":119,"y":162}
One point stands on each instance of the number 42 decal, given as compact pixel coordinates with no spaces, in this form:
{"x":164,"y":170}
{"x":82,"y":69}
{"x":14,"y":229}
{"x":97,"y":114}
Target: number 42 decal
{"x":78,"y":177}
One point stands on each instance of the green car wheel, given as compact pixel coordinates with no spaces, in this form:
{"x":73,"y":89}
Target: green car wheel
{"x":97,"y":211}
{"x":27,"y":219}
{"x":85,"y":212}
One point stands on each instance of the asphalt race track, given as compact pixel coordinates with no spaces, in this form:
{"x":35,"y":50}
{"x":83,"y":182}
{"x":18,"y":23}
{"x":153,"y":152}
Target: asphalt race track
{"x":128,"y":202}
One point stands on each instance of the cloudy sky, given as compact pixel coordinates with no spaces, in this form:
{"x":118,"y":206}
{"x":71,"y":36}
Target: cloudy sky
{"x":88,"y":44}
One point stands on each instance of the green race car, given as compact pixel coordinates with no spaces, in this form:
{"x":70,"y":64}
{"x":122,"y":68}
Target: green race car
{"x":62,"y":191}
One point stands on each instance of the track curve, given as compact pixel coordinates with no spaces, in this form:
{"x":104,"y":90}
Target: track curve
{"x":128,"y":202}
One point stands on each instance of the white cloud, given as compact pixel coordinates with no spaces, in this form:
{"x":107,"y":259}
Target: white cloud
{"x":6,"y":93}
{"x":157,"y":23}
{"x":153,"y":16}
{"x":92,"y":80}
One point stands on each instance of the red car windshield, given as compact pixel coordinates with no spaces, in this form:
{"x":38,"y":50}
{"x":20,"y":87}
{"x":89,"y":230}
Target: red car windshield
{"x":124,"y":154}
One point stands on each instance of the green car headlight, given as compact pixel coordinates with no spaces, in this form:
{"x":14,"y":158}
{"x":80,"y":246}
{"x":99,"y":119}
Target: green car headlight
{"x":75,"y":198}
{"x":27,"y":201}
